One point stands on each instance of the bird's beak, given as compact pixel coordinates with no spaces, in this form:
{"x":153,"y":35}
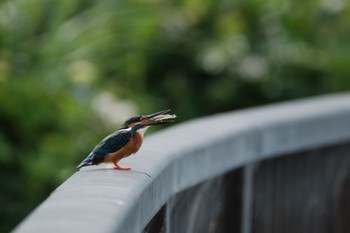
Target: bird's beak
{"x":157,"y":114}
{"x":158,"y":118}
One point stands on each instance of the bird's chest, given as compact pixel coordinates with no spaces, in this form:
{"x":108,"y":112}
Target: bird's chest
{"x":135,"y":143}
{"x":130,"y":148}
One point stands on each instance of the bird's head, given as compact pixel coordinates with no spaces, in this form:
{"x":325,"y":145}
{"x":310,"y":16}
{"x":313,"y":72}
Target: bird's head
{"x":157,"y":118}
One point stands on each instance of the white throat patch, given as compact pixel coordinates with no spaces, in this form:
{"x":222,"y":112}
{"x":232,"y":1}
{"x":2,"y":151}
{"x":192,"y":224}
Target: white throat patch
{"x":143,"y":130}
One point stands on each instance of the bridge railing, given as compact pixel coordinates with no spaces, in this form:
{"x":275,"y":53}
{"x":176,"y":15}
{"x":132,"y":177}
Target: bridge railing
{"x":278,"y":168}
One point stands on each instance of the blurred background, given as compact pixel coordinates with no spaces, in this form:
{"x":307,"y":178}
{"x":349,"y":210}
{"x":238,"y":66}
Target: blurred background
{"x":72,"y":70}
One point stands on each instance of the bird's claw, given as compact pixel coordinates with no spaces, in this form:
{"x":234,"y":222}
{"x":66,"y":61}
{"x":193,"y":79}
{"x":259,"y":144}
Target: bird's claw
{"x":117,"y":167}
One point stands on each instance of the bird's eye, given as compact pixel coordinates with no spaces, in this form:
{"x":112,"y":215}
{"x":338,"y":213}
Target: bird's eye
{"x":136,"y":119}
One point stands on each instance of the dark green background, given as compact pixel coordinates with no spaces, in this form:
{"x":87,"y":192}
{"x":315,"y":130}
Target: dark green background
{"x":61,"y":61}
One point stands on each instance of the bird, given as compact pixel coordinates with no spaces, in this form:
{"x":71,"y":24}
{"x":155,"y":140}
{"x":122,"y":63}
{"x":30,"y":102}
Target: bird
{"x":126,"y":141}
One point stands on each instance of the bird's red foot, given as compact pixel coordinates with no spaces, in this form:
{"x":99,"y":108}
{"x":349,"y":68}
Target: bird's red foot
{"x":117,"y":167}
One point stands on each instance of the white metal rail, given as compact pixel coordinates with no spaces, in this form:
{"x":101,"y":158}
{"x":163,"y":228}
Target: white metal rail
{"x":107,"y":200}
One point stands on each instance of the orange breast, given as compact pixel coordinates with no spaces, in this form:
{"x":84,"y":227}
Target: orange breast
{"x":130,"y":148}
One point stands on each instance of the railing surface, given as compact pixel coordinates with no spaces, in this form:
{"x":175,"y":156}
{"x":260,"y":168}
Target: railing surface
{"x":197,"y":154}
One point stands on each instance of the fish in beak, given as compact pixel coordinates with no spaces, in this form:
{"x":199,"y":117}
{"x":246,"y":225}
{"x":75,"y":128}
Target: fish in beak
{"x":158,"y":118}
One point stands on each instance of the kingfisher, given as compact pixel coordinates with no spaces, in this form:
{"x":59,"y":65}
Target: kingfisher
{"x":126,"y":141}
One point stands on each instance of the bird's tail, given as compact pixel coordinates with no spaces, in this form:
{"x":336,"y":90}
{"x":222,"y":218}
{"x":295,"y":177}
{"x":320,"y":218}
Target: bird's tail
{"x":86,"y":161}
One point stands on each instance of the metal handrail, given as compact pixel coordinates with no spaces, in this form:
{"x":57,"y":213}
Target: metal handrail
{"x":170,"y":161}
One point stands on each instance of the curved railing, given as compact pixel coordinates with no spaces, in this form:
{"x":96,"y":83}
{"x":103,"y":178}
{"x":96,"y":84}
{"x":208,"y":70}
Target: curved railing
{"x":185,"y":156}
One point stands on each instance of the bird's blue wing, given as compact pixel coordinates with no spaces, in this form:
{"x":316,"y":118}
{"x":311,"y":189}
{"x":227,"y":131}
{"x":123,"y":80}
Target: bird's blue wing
{"x":113,"y":142}
{"x":109,"y":144}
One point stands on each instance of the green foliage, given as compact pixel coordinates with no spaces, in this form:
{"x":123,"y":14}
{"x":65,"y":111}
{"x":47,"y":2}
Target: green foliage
{"x":39,"y":141}
{"x":70,"y":68}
